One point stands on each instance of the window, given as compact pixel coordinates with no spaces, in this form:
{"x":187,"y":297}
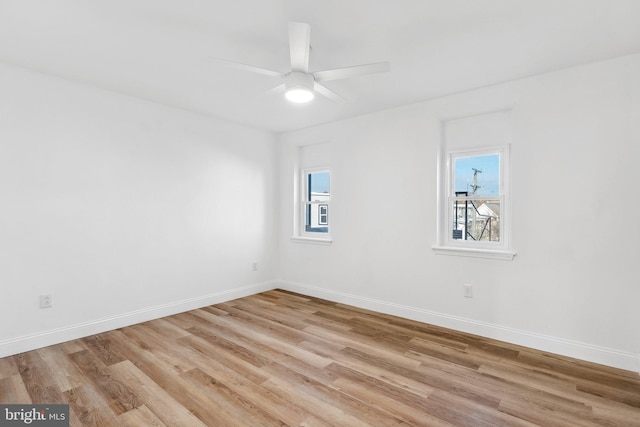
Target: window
{"x":316,"y":202}
{"x":476,"y":215}
{"x":476,"y":197}
{"x":312,"y":216}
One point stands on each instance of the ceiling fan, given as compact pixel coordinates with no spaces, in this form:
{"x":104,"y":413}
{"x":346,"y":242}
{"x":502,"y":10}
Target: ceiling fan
{"x":300,"y":84}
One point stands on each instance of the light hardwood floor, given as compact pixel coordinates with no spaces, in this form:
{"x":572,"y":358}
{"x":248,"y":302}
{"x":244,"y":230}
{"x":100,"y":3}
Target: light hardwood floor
{"x":279,"y":358}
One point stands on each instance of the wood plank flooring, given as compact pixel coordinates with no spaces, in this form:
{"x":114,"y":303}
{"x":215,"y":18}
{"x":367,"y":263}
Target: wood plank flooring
{"x":279,"y":358}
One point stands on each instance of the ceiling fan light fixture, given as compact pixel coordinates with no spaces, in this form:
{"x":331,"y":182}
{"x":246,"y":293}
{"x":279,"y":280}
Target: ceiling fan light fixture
{"x":299,"y":87}
{"x":299,"y":95}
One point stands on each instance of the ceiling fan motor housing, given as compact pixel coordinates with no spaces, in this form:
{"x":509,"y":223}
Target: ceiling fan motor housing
{"x":299,"y":80}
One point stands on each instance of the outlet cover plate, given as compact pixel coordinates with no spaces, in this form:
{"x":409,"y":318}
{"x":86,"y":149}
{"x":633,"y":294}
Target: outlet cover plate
{"x":468,"y":291}
{"x":46,"y":301}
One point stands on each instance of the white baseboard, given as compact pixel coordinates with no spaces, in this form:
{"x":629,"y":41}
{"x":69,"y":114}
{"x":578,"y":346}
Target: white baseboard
{"x":592,"y":353}
{"x":55,"y":336}
{"x":583,"y":351}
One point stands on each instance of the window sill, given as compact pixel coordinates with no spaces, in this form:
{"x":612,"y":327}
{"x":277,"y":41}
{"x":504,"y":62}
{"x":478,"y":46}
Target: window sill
{"x":475,"y":253}
{"x":312,"y":240}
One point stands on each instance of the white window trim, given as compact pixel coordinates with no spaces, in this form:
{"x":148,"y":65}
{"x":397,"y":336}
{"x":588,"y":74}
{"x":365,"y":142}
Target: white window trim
{"x":311,"y":240}
{"x":301,"y":235}
{"x":446,"y":245}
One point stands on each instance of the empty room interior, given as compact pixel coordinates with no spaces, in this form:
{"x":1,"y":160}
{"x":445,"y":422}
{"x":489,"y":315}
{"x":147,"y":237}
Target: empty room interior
{"x":343,"y":213}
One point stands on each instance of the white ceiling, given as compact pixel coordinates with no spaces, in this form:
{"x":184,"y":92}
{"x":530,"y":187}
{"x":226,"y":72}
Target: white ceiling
{"x":161,"y":50}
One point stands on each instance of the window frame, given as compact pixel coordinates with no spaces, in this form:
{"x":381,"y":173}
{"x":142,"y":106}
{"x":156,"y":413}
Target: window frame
{"x":304,"y":187}
{"x":447,"y":245}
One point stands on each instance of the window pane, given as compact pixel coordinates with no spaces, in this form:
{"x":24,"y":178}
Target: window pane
{"x":316,"y":210}
{"x":476,"y":220}
{"x":479,"y":175}
{"x":318,"y":187}
{"x":316,"y":219}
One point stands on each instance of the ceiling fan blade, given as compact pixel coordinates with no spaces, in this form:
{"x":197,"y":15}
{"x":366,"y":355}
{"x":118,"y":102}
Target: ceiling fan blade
{"x":299,"y":45}
{"x":278,"y":89}
{"x":250,"y":68}
{"x":328,"y":93}
{"x":358,"y":70}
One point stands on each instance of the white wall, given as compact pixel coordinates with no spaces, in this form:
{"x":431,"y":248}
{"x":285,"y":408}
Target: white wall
{"x":124,"y":210}
{"x":573,"y":286}
{"x":127,"y":210}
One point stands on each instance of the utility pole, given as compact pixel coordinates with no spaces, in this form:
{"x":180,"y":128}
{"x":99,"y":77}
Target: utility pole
{"x":475,"y":187}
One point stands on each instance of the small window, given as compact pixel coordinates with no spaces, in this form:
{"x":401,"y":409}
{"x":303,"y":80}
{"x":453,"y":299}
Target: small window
{"x":316,"y":201}
{"x":476,"y":214}
{"x":477,"y":197}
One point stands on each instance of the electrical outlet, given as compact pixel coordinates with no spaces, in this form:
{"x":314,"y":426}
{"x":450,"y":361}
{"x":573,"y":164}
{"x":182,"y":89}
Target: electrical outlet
{"x":254,"y":266}
{"x":468,"y":291}
{"x":46,"y":300}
